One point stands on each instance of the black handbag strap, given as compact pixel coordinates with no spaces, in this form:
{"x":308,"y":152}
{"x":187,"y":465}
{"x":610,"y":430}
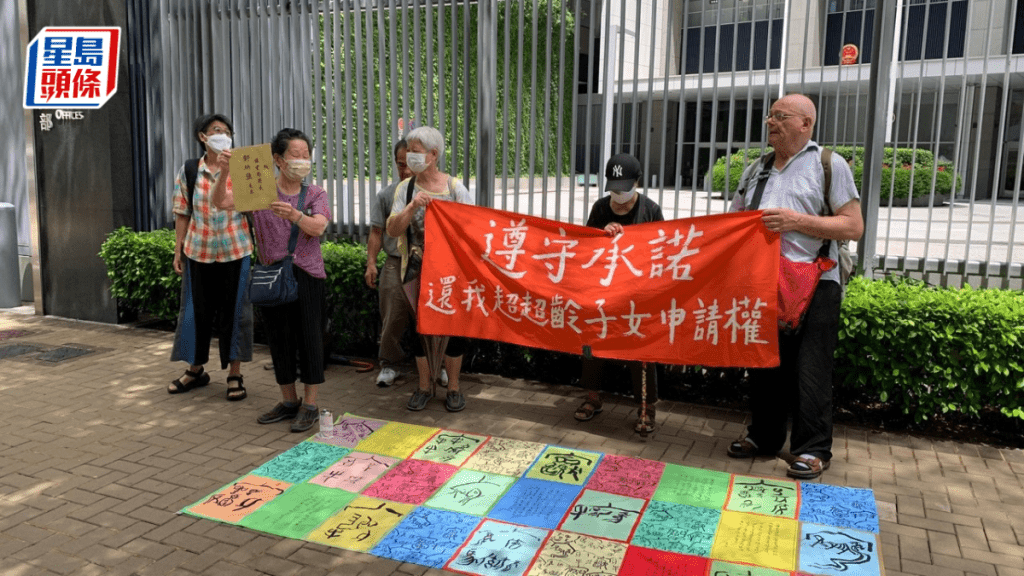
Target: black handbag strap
{"x":762,"y":181}
{"x":293,"y":239}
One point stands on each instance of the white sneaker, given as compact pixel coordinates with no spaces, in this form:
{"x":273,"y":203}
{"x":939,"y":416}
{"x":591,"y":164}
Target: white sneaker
{"x":444,"y":378}
{"x":386,"y":377}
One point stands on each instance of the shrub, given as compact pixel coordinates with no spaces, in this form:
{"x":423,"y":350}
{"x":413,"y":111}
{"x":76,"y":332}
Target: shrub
{"x":933,"y":350}
{"x":141,"y":271}
{"x":924,"y":350}
{"x":902,"y":161}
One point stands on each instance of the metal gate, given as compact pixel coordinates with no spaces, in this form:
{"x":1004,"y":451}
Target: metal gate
{"x":533,"y":95}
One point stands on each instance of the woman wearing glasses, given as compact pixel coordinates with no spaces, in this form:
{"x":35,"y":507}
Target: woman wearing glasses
{"x":212,"y":254}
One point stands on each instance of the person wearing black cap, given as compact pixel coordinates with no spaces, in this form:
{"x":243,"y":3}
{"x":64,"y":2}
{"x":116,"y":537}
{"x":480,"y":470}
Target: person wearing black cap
{"x":212,"y":252}
{"x":622,"y":207}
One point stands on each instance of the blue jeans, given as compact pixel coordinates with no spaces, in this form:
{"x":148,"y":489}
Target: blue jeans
{"x":802,"y":384}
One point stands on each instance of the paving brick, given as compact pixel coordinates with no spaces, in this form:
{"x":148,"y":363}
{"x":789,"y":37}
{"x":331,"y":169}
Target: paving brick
{"x":965,"y":564}
{"x":916,"y":549}
{"x":919,"y":569}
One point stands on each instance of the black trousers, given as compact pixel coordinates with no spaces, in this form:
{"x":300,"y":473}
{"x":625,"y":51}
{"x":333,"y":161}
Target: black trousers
{"x":801,"y":385}
{"x":295,"y":332}
{"x":214,"y":299}
{"x":594,"y":370}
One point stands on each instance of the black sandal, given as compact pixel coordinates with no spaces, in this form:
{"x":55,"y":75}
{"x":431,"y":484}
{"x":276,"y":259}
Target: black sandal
{"x":236,"y":392}
{"x":199,"y":379}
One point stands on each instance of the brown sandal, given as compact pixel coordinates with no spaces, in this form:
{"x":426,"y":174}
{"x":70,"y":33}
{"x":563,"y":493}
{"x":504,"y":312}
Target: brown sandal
{"x":807,"y":467}
{"x":588,"y":409}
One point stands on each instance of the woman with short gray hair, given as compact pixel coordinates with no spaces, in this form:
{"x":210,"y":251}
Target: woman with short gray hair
{"x":406,"y":223}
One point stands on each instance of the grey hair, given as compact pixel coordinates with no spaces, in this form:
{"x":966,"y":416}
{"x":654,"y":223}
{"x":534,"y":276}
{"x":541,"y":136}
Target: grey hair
{"x":429,"y":137}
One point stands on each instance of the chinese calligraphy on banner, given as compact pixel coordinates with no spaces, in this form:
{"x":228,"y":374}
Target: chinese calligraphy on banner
{"x":691,"y":291}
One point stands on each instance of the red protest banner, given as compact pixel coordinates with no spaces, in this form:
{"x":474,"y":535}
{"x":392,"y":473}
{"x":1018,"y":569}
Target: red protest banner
{"x":691,"y":291}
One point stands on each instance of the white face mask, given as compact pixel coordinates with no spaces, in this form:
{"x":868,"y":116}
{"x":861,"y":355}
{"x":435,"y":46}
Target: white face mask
{"x":417,"y":162}
{"x":298,"y":169}
{"x":218,"y":142}
{"x":623,"y":197}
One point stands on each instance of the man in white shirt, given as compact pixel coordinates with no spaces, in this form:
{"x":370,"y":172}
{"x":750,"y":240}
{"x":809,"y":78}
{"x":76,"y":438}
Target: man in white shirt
{"x":795,"y":204}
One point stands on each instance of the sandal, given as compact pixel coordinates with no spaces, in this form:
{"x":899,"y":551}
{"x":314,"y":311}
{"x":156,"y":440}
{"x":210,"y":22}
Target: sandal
{"x":645,"y":422}
{"x":199,"y":379}
{"x":743,"y":448}
{"x":588,"y":409}
{"x":236,"y":392}
{"x":807,"y":467}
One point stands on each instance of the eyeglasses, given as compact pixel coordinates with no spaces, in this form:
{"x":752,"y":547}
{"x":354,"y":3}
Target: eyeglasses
{"x":219,"y":130}
{"x":780,"y":116}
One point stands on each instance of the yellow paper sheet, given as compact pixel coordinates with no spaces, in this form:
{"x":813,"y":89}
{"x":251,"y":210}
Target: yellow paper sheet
{"x":361,"y":524}
{"x":252,"y":177}
{"x":397,"y":439}
{"x":756,"y":539}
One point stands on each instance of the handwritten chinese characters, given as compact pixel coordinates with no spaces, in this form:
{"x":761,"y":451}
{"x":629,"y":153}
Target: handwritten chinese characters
{"x":763,"y":496}
{"x":449,"y":447}
{"x":604,"y":515}
{"x":555,"y":510}
{"x":838,"y":552}
{"x":505,"y":456}
{"x":838,"y":506}
{"x":564,"y":465}
{"x":650,"y":293}
{"x":301,"y":462}
{"x":252,"y":177}
{"x":566,"y":553}
{"x":427,"y":537}
{"x":355,"y":471}
{"x":626,"y":476}
{"x":411,"y":481}
{"x":350,"y":430}
{"x":678,"y":528}
{"x":235,"y":501}
{"x":499,"y":549}
{"x":361,"y":524}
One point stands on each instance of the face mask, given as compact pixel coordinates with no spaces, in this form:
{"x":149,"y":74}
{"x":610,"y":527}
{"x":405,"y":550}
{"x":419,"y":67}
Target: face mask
{"x":623,"y":197}
{"x":417,"y":162}
{"x":298,"y":169}
{"x":218,"y":142}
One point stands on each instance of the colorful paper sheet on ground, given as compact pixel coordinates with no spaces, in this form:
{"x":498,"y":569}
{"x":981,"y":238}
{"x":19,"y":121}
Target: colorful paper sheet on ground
{"x":692,"y":291}
{"x":490,"y":506}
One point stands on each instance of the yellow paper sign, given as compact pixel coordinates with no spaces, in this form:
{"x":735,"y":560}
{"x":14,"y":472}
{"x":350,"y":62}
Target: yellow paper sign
{"x":361,"y":524}
{"x":755,"y":539}
{"x":396,"y":439}
{"x":252,"y":177}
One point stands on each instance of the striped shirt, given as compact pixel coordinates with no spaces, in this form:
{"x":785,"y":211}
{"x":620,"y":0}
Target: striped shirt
{"x":214,"y":235}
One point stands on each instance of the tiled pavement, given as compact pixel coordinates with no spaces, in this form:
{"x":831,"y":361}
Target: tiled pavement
{"x":96,"y":459}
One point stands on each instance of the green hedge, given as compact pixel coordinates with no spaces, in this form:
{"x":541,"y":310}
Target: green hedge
{"x":933,"y":350}
{"x":907,"y":162}
{"x":923,"y":350}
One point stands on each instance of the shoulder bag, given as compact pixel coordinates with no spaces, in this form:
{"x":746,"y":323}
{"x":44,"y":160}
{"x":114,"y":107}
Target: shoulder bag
{"x":797,"y":280}
{"x":275,"y":284}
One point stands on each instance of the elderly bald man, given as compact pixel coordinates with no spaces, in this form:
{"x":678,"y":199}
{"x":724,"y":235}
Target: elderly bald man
{"x":795,"y":204}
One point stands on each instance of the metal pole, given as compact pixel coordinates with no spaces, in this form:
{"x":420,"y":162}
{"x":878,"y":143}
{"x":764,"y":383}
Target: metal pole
{"x":878,"y":96}
{"x":487,"y":81}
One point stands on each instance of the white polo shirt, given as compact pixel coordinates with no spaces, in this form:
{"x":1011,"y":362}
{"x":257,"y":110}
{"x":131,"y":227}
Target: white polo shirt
{"x":798,"y":186}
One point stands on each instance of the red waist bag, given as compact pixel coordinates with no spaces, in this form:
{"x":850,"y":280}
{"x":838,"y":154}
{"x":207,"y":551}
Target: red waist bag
{"x":797,"y":283}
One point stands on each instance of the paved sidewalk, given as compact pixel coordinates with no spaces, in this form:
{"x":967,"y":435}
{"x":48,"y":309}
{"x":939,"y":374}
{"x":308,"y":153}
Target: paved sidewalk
{"x":96,"y":459}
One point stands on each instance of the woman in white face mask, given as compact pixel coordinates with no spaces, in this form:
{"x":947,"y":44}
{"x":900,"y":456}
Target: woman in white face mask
{"x":212,"y":254}
{"x":295,"y":329}
{"x":406,"y":223}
